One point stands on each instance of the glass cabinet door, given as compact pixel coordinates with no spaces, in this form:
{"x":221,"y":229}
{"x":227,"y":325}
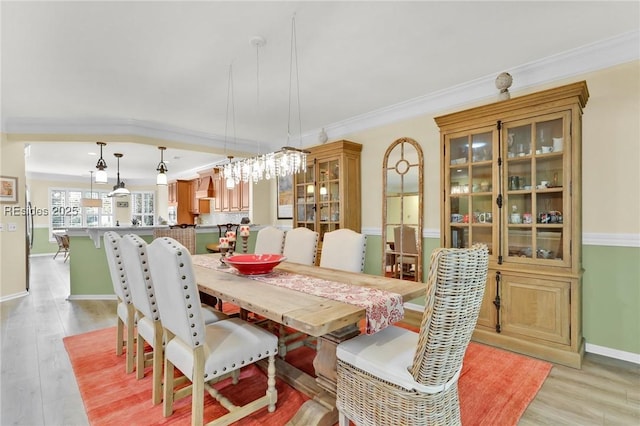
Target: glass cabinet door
{"x":306,"y":198}
{"x":536,"y":193}
{"x":470,"y":201}
{"x":328,"y":196}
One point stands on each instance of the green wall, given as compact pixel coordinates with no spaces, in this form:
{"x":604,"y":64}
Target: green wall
{"x":611,"y":296}
{"x":41,"y":242}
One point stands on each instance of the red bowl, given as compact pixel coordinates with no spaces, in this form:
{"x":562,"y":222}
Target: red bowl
{"x":254,"y":264}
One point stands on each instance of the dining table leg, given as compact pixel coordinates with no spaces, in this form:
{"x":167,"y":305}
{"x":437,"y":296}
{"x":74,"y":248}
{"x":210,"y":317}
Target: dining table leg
{"x":321,"y":408}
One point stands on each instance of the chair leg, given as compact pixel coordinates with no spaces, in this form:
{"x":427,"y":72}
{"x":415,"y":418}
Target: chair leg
{"x":167,"y":406}
{"x":272,"y":393}
{"x":139,"y":357}
{"x":197,"y":391}
{"x":119,"y":337}
{"x":130,"y":336}
{"x":156,"y":394}
{"x":342,"y":419}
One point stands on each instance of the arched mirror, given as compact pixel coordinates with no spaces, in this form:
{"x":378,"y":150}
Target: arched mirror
{"x":402,"y":210}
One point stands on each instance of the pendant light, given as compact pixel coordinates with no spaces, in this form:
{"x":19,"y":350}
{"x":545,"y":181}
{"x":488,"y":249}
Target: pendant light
{"x":162,"y":169}
{"x":101,"y":175}
{"x":288,"y":160}
{"x":118,"y":189}
{"x":91,"y":202}
{"x":228,"y":169}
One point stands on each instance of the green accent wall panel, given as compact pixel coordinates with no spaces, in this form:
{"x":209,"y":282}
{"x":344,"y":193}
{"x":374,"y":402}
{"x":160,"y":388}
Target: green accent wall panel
{"x":41,"y":242}
{"x":611,"y":297}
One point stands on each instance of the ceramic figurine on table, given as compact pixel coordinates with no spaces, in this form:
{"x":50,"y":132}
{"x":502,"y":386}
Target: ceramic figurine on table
{"x":231,"y":236}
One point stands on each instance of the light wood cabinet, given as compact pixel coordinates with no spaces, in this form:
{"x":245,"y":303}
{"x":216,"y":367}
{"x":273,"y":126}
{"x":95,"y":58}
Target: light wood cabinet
{"x":230,"y":200}
{"x":180,"y":196}
{"x":327,"y":196}
{"x":198,"y":205}
{"x":511,"y":179}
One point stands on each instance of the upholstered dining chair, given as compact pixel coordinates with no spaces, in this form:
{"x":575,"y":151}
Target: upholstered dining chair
{"x":269,"y":240}
{"x":416,"y":372}
{"x":136,"y":266}
{"x":203,"y":353}
{"x":125,"y":310}
{"x":343,"y":249}
{"x":300,"y":246}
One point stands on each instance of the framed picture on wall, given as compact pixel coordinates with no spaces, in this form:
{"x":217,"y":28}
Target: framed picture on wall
{"x":8,"y":189}
{"x":285,"y":197}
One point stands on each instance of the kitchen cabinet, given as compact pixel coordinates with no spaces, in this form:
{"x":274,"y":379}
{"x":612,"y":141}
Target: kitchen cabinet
{"x":230,"y":200}
{"x":511,"y":179}
{"x":180,"y":196}
{"x":198,"y":205}
{"x":327,"y":195}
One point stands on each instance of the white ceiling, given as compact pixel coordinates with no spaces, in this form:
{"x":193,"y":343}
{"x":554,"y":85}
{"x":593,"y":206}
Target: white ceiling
{"x":104,"y":68}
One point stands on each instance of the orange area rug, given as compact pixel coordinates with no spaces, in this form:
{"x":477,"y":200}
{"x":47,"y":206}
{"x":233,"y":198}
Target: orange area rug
{"x":495,"y":387}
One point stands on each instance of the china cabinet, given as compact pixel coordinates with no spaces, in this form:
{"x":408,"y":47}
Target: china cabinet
{"x":511,"y":179}
{"x":327,"y":196}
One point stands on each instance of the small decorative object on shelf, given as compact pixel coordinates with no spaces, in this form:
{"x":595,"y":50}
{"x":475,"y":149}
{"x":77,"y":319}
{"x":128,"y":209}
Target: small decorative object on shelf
{"x":503,"y":82}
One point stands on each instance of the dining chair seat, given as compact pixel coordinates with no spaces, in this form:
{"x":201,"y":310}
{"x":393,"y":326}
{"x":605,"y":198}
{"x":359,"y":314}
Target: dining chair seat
{"x":203,"y":353}
{"x":416,"y":372}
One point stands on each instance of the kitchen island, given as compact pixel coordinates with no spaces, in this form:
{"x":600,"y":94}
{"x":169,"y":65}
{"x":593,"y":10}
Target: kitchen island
{"x":88,"y":269}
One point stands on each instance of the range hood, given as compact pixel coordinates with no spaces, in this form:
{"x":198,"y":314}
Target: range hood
{"x":205,"y":189}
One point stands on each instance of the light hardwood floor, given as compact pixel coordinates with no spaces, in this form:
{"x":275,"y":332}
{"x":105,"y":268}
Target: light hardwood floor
{"x":38,"y":386}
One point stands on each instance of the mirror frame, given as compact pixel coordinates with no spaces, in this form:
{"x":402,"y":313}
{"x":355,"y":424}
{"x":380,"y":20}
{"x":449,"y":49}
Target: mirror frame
{"x":387,"y":168}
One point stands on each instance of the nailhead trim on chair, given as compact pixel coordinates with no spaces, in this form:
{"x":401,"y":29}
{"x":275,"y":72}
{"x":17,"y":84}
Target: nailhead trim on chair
{"x":142,"y":245}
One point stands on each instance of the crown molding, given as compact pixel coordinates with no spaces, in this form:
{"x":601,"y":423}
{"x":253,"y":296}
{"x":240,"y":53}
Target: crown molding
{"x":589,"y":58}
{"x":593,"y":57}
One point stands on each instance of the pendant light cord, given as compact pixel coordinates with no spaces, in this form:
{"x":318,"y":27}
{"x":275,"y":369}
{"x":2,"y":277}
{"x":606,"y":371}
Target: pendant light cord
{"x":294,"y":57}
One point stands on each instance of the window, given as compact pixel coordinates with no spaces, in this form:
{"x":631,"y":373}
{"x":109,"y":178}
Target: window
{"x":66,"y":211}
{"x":142,"y":208}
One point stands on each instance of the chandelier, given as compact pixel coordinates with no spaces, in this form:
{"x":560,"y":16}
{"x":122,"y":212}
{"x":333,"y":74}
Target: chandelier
{"x":288,"y":160}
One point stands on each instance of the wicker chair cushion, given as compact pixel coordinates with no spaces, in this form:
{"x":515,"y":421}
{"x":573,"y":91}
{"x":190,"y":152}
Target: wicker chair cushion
{"x":388,"y":355}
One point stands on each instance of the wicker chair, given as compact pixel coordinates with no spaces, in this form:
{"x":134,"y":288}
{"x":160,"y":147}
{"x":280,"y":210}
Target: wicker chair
{"x":63,"y":245}
{"x":136,"y":266}
{"x":125,"y":310}
{"x":398,"y":377}
{"x":184,"y":234}
{"x":203,"y":353}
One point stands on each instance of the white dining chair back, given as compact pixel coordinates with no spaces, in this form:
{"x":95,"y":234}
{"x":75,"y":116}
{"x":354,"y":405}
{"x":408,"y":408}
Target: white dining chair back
{"x":343,"y":249}
{"x":300,"y":246}
{"x":269,"y":240}
{"x":419,"y":372}
{"x":124,"y":309}
{"x":136,"y":265}
{"x":203,"y":353}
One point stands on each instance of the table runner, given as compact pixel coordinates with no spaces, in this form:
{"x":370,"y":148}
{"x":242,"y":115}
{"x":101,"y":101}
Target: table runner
{"x":383,"y":308}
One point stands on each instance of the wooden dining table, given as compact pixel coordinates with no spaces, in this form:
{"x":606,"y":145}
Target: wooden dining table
{"x":331,"y":321}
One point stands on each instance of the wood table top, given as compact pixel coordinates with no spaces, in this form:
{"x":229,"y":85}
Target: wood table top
{"x":313,"y":315}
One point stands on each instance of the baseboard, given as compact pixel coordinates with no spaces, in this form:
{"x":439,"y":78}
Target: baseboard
{"x":589,"y":347}
{"x":92,"y":297}
{"x":14,"y":296}
{"x":613,"y":353}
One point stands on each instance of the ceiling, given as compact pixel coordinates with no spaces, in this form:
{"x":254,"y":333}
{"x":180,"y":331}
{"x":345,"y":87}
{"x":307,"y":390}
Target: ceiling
{"x":161,"y":70}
